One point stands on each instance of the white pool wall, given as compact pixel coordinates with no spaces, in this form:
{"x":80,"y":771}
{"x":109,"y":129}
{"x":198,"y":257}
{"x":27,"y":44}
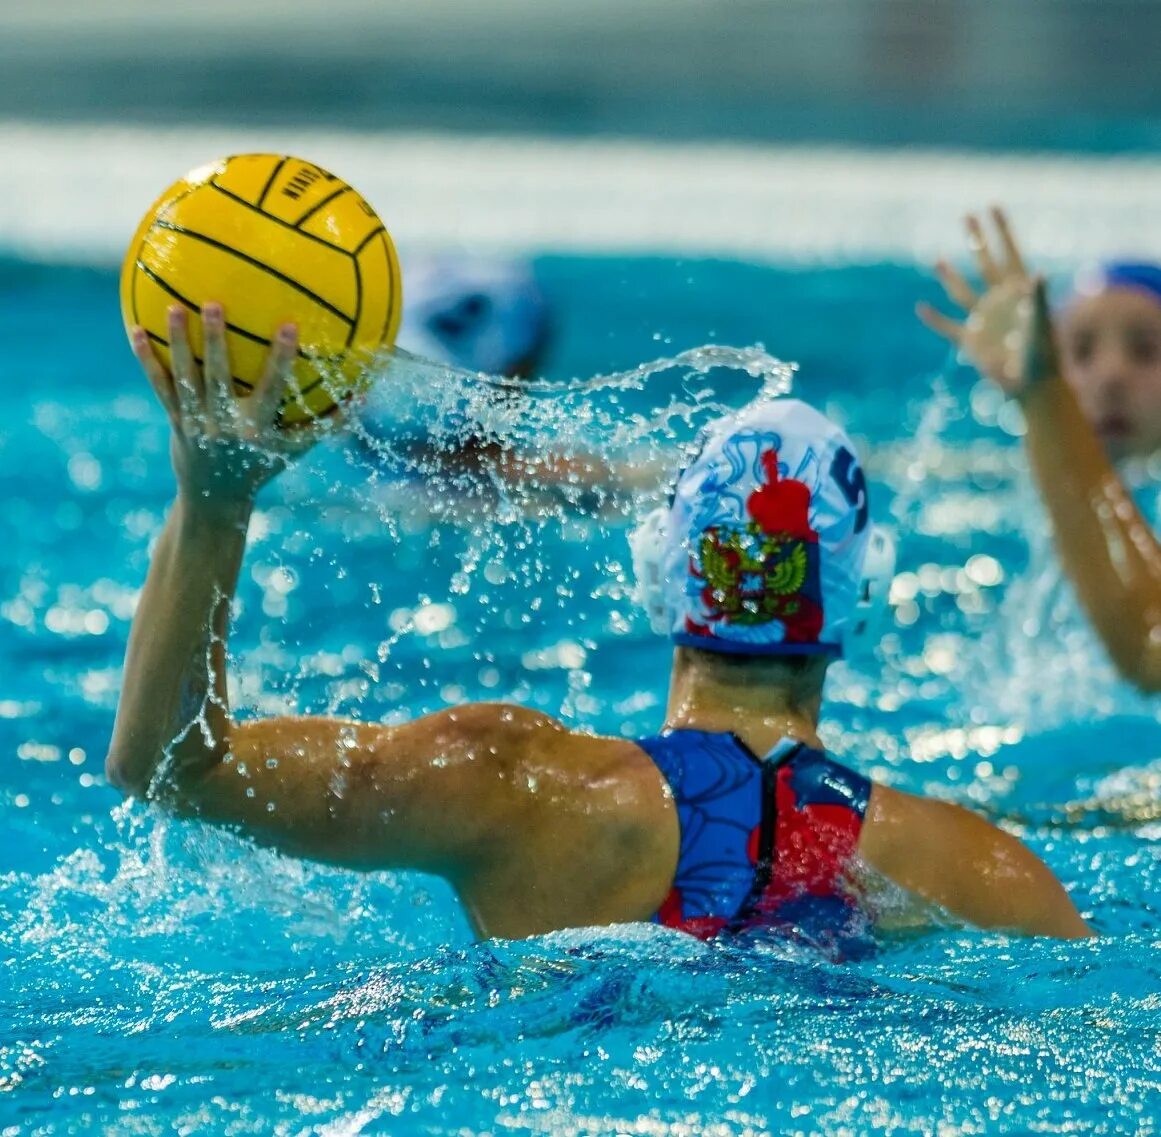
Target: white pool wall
{"x":75,"y":193}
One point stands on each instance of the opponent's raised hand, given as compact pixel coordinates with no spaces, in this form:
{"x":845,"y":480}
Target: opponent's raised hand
{"x":992,"y":331}
{"x":224,"y":448}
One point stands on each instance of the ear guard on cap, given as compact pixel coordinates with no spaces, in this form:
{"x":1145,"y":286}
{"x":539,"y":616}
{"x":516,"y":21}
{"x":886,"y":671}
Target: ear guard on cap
{"x":863,"y":628}
{"x":647,"y":547}
{"x":866,"y":624}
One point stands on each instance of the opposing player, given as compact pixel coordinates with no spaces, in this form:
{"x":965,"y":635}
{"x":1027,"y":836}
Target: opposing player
{"x":1089,"y":383}
{"x":489,"y":318}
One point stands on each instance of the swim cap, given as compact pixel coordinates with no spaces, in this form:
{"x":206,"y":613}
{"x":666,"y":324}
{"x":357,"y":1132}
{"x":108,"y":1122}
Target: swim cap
{"x":1137,"y":275}
{"x":476,"y":314}
{"x":763,"y":549}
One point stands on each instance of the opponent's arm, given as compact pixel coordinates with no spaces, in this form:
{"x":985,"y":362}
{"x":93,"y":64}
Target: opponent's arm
{"x":951,"y":857}
{"x":1106,"y":547}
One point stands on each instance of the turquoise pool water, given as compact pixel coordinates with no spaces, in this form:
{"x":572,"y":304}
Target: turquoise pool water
{"x":159,"y":977}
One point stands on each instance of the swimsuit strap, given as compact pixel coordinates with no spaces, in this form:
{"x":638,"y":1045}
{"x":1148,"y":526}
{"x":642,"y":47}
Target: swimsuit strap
{"x":812,"y":817}
{"x":783,"y":750}
{"x":767,"y":835}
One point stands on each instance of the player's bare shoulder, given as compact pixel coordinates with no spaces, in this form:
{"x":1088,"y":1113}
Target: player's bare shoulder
{"x":515,"y":739}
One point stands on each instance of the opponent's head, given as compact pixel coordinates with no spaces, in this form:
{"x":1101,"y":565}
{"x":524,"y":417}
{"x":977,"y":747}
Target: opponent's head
{"x":481,"y":315}
{"x":766,"y":548}
{"x":1110,"y":334}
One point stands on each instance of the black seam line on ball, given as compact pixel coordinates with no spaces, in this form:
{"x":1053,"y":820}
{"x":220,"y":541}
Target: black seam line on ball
{"x":319,"y":205}
{"x":287,"y":280}
{"x":368,"y":239}
{"x":136,"y":279}
{"x":314,"y":414}
{"x":303,"y":391}
{"x":238,"y":331}
{"x":324,"y":413}
{"x":270,"y":182}
{"x":196,"y":310}
{"x":233,"y":378}
{"x":198,"y":360}
{"x":358,"y":302}
{"x":393,"y":282}
{"x":278,"y":220}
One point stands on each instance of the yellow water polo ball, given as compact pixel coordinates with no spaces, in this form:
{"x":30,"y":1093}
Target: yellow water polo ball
{"x":274,"y":239}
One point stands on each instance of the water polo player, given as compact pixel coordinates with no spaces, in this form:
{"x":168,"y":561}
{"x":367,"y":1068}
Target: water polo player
{"x":1089,"y":383}
{"x":731,"y":818}
{"x":488,"y":317}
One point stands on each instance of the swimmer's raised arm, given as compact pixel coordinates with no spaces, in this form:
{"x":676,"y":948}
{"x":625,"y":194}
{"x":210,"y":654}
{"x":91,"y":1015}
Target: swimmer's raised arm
{"x":1106,"y":547}
{"x":174,"y":739}
{"x":174,"y":705}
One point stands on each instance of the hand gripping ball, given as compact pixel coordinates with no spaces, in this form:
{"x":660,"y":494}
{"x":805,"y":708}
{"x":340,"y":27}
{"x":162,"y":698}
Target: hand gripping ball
{"x":274,"y":239}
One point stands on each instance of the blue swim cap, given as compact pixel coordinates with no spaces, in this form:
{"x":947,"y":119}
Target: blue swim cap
{"x":480,"y":315}
{"x":1140,"y":276}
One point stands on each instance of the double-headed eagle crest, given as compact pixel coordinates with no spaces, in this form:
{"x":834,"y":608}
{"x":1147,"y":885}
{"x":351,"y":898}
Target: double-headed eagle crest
{"x":751,"y":576}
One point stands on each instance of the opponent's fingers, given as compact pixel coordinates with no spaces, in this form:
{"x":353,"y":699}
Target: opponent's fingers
{"x":978,"y":242}
{"x":187,"y":376}
{"x":276,"y":376}
{"x":942,"y":325}
{"x":955,"y":285}
{"x":1012,"y":254}
{"x":159,"y":378}
{"x":216,"y":365}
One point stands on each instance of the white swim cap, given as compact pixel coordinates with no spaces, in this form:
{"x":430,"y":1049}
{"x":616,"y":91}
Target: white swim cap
{"x":764,"y":547}
{"x":477,"y":314}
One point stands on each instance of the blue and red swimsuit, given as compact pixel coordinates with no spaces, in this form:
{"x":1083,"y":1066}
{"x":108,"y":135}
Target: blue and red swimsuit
{"x":764,"y":841}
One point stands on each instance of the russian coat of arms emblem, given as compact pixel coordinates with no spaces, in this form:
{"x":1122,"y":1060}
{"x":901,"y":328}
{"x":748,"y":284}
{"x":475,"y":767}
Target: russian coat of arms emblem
{"x":763,"y":567}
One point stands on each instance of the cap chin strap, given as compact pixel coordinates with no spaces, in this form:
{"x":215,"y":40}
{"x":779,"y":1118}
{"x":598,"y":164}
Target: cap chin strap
{"x":864,"y":627}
